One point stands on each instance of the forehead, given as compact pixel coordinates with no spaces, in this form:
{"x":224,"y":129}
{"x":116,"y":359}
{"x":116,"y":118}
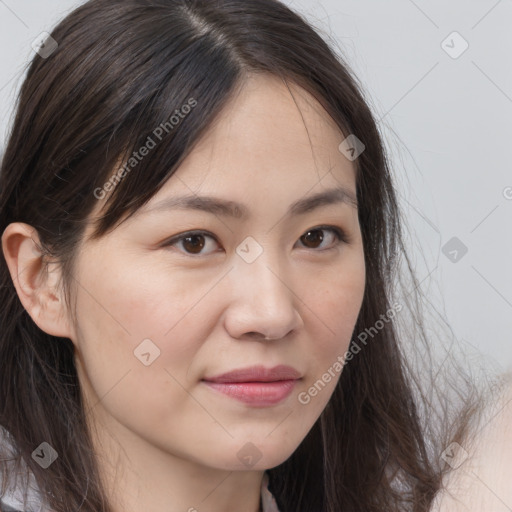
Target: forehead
{"x":269,"y":119}
{"x":272,"y":143}
{"x":268,"y":137}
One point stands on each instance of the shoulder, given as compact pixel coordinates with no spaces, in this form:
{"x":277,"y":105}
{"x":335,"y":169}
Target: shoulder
{"x":8,"y":502}
{"x":481,"y":479}
{"x":19,"y":495}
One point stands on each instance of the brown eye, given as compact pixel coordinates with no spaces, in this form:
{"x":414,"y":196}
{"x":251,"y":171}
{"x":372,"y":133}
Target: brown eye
{"x":313,"y":238}
{"x":192,"y":243}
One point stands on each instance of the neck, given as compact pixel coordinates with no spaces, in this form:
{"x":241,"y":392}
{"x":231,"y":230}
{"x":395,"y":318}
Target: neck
{"x":140,"y":476}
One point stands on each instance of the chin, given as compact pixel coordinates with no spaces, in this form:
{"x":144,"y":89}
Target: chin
{"x":264,"y":455}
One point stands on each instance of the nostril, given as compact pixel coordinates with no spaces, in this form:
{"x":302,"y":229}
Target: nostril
{"x":254,"y":334}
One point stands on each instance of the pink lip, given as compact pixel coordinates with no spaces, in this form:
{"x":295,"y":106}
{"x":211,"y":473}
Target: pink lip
{"x":256,"y":385}
{"x":256,"y":393}
{"x":257,"y":374}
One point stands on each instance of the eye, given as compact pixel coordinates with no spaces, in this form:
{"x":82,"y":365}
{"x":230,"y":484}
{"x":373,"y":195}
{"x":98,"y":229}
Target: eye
{"x":193,"y":241}
{"x":314,"y":236}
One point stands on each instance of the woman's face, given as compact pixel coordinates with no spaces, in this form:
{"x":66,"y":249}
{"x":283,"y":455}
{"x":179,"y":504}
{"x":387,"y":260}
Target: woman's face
{"x":156,"y":316}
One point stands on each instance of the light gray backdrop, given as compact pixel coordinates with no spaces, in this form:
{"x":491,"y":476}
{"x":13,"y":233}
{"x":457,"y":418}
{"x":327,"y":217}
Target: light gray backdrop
{"x":439,"y":76}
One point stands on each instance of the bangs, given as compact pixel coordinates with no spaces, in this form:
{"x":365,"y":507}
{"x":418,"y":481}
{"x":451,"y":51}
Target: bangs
{"x":160,"y":129}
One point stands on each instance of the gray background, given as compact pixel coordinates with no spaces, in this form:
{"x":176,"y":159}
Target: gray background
{"x":446,"y":122}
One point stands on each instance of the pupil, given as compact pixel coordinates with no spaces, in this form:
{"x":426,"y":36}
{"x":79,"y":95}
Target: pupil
{"x":319,"y":236}
{"x":195,"y":248}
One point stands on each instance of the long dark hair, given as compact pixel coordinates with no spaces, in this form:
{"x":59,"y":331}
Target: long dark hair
{"x":121,"y":69}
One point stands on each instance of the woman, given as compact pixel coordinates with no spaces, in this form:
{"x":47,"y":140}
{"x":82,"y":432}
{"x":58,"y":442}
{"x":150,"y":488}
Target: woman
{"x":200,"y":239}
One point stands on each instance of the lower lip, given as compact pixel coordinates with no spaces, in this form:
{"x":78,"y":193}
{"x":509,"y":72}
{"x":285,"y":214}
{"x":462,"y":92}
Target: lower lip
{"x":255,"y":393}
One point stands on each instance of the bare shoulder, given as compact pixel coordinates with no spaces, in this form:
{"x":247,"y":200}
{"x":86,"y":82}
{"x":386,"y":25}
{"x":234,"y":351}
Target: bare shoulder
{"x":481,"y":478}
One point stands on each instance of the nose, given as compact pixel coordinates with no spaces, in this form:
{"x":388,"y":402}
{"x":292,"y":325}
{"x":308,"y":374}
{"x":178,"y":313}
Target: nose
{"x":263,"y":303}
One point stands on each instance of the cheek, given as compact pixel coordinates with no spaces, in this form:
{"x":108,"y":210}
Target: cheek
{"x":121,"y":309}
{"x":112,"y":356}
{"x":129,"y":299}
{"x":337,"y":302}
{"x":333,"y":310}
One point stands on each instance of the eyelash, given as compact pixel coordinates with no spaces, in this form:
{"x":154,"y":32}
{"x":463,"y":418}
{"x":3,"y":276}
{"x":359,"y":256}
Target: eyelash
{"x":339,"y":233}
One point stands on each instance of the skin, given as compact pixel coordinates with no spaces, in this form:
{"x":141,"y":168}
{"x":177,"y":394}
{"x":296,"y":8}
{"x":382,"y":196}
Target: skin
{"x":482,"y":469}
{"x":165,"y":440}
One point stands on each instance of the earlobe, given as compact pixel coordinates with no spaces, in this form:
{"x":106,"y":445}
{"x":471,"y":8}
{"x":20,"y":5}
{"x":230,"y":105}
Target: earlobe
{"x":36,"y":283}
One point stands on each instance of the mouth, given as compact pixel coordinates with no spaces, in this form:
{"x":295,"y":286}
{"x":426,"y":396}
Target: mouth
{"x":257,"y":385}
{"x":255,"y":393}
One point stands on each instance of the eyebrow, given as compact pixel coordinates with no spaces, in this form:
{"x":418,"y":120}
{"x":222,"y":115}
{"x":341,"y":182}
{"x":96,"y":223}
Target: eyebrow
{"x":227,"y":208}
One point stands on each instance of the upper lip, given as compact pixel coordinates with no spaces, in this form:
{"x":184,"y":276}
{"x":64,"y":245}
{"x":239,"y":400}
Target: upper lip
{"x":257,"y":374}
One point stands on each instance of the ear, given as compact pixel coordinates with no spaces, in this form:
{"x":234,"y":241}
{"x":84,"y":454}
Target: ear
{"x":36,"y":283}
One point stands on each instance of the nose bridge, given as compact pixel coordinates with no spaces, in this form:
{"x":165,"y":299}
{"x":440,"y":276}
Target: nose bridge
{"x":263,"y":300}
{"x":265,"y":276}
